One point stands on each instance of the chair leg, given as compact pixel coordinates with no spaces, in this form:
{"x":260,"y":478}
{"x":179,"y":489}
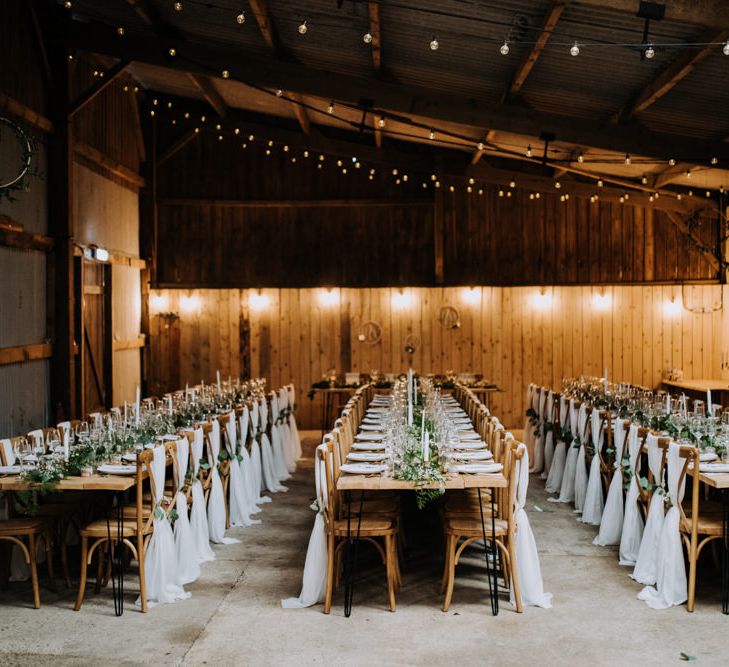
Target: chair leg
{"x":514,"y":577}
{"x":451,"y":564}
{"x":34,"y":570}
{"x":100,"y":561}
{"x":692,"y":577}
{"x":63,"y":549}
{"x":390,"y":566}
{"x":82,"y":576}
{"x":142,"y":576}
{"x":330,"y":573}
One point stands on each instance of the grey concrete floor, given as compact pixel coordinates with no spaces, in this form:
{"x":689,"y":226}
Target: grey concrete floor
{"x":235,"y":617}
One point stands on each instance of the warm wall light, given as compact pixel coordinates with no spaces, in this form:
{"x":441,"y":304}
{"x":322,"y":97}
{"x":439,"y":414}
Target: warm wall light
{"x":189,"y":303}
{"x":401,"y":299}
{"x":671,"y":308}
{"x":159,"y":303}
{"x":541,"y":300}
{"x":328,"y":298}
{"x":602,"y":301}
{"x":471,"y":295}
{"x":258,"y":301}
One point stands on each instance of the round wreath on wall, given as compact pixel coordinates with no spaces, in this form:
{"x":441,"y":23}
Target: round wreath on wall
{"x":412,"y":343}
{"x":449,"y":317}
{"x":16,"y":156}
{"x":370,"y":333}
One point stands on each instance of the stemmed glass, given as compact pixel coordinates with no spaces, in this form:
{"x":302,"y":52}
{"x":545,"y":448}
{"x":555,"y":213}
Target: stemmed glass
{"x":54,"y":441}
{"x":82,"y":431}
{"x":22,"y":448}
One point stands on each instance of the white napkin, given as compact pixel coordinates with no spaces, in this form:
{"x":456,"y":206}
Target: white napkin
{"x":372,"y":437}
{"x":714,"y":467}
{"x":117,"y":470}
{"x":366,"y":456}
{"x":13,"y":470}
{"x":368,"y":446}
{"x":370,"y":427}
{"x":362,"y":468}
{"x":482,"y":455}
{"x":705,"y":457}
{"x":470,"y":444}
{"x":477,"y":468}
{"x":466,"y":437}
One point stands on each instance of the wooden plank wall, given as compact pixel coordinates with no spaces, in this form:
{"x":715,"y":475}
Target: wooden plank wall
{"x":512,"y":335}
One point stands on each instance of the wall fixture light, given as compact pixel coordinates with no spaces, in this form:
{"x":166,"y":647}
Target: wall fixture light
{"x":189,"y":303}
{"x":258,"y":301}
{"x":602,"y":301}
{"x":671,"y":307}
{"x":471,"y":295}
{"x":328,"y":297}
{"x":159,"y":303}
{"x":401,"y":299}
{"x":542,"y":300}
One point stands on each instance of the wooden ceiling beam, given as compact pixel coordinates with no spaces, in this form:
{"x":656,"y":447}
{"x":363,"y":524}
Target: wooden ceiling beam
{"x":272,"y":72}
{"x":674,"y":73}
{"x":300,"y":112}
{"x":550,"y":21}
{"x":478,"y":153}
{"x":669,"y":175}
{"x":377,"y":130}
{"x":376,"y":44}
{"x":265,"y":25}
{"x":177,"y":145}
{"x":207,"y":87}
{"x":682,"y":227}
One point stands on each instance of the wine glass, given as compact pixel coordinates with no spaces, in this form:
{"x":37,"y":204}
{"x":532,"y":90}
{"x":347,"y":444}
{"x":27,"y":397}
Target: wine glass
{"x":82,"y":431}
{"x":53,"y":440}
{"x":22,"y":448}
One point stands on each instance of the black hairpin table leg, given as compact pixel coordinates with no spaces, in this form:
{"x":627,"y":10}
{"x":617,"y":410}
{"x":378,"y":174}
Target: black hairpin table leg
{"x":725,"y":553}
{"x":492,"y":570}
{"x":350,"y":552}
{"x":117,"y":555}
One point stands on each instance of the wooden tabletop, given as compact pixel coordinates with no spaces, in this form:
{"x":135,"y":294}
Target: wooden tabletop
{"x":699,"y":385}
{"x":719,"y":480}
{"x":92,"y":483}
{"x":348,"y":482}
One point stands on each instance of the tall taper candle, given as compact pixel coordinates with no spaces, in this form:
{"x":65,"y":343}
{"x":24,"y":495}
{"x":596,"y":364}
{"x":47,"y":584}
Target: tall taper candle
{"x":709,"y":409}
{"x":136,"y":406}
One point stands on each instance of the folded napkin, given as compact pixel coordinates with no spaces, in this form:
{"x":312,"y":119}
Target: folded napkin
{"x":480,"y":455}
{"x":363,"y":468}
{"x":369,"y":446}
{"x":714,"y":467}
{"x":469,"y":444}
{"x":117,"y":470}
{"x":466,"y":436}
{"x":366,"y":456}
{"x":369,"y":437}
{"x":708,"y":456}
{"x":476,"y":468}
{"x":13,"y":470}
{"x":131,"y":457}
{"x":370,"y":427}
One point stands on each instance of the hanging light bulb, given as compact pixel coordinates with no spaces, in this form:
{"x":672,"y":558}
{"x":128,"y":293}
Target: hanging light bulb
{"x":599,"y":183}
{"x":679,"y":196}
{"x":537,"y":195}
{"x":367,"y":38}
{"x":644,"y":180}
{"x":714,"y":160}
{"x":512,"y":184}
{"x":529,"y":151}
{"x":580,"y":158}
{"x":177,"y":6}
{"x":380,"y":123}
{"x":68,"y":4}
{"x":557,"y":185}
{"x":471,"y":181}
{"x":172,"y":51}
{"x":725,"y":48}
{"x":672,"y":162}
{"x":688,"y":173}
{"x":241,"y":18}
{"x":251,"y":137}
{"x":330,"y":108}
{"x":120,"y":31}
{"x":434,"y":44}
{"x":649,"y":51}
{"x":480,"y":146}
{"x":303,"y":28}
{"x":575,"y":50}
{"x":279,"y":92}
{"x":431,"y":134}
{"x":225,"y":74}
{"x":504,"y":48}
{"x":627,"y":158}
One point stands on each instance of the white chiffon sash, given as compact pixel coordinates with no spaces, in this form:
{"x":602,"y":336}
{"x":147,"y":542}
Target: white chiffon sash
{"x":645,"y":564}
{"x":539,"y":442}
{"x":216,"y":497}
{"x":528,"y":569}
{"x":556,"y":470}
{"x":581,"y":464}
{"x":279,"y":457}
{"x":292,"y":423}
{"x":611,"y":525}
{"x":633,"y":520}
{"x":594,"y":503}
{"x":567,"y":489}
{"x":188,"y":566}
{"x":160,"y":559}
{"x":198,"y":515}
{"x":238,"y":495}
{"x":285,"y":430}
{"x":671,"y":587}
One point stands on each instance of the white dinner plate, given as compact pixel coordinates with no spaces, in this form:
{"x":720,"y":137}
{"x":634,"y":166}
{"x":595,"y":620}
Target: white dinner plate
{"x":13,"y":470}
{"x":117,"y":470}
{"x":369,"y":437}
{"x":477,"y":455}
{"x":468,"y":436}
{"x":369,"y":446}
{"x":366,"y":456}
{"x":370,"y":427}
{"x":476,"y":468}
{"x":363,"y":468}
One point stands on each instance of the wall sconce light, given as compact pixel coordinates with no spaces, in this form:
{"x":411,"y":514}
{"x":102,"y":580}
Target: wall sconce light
{"x":471,"y":295}
{"x":328,"y":298}
{"x":602,"y":301}
{"x":671,"y":308}
{"x":189,"y":303}
{"x":401,"y":300}
{"x":542,"y":300}
{"x":159,"y":303}
{"x":258,"y":301}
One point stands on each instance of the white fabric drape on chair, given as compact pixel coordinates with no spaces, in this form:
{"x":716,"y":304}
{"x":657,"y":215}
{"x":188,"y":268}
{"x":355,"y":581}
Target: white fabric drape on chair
{"x":594,"y":503}
{"x":671,"y":587}
{"x":8,"y":451}
{"x":198,"y":515}
{"x":250,"y":482}
{"x":581,"y":463}
{"x":549,"y":438}
{"x":645,"y":564}
{"x":256,"y":457}
{"x":314,"y":582}
{"x":539,"y":439}
{"x":237,"y":496}
{"x":216,"y":497}
{"x":633,"y":520}
{"x":556,"y":470}
{"x":160,"y":559}
{"x":292,"y":422}
{"x":567,"y":490}
{"x":611,"y":525}
{"x":268,"y":465}
{"x":529,"y":422}
{"x":284,"y":428}
{"x":188,"y":565}
{"x":277,"y":445}
{"x":527,"y":558}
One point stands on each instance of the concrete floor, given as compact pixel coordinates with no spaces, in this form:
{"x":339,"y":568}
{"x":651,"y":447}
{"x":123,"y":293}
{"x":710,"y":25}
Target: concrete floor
{"x":235,"y":617}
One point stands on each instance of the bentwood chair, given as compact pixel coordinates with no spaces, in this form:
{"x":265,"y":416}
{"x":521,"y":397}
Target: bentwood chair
{"x":701,"y":522}
{"x":380,"y":531}
{"x":469,"y":529}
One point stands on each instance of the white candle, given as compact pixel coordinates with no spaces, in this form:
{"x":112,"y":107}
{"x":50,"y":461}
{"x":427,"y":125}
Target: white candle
{"x":415,"y":390}
{"x":422,"y":425}
{"x":684,"y":410}
{"x":125,"y":413}
{"x":668,"y":403}
{"x":187,"y":391}
{"x":426,"y":447}
{"x":137,"y":406}
{"x":605,"y":375}
{"x":410,"y":413}
{"x":169,"y":403}
{"x":217,"y":377}
{"x":709,"y":409}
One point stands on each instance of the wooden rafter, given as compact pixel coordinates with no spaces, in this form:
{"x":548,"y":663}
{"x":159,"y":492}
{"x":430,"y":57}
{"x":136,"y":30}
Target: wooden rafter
{"x":100,"y":86}
{"x":300,"y":112}
{"x":105,"y":162}
{"x":675,"y":72}
{"x":206,"y":86}
{"x":19,"y":110}
{"x":376,"y":44}
{"x":177,"y":146}
{"x":265,"y":25}
{"x":699,"y":12}
{"x":682,"y":227}
{"x":550,"y":21}
{"x":377,"y":130}
{"x":669,"y":175}
{"x":478,"y":153}
{"x":273,"y":72}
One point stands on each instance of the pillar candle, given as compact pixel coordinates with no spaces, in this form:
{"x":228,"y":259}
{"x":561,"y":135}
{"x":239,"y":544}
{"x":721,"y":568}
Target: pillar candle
{"x":709,"y":409}
{"x":217,"y":377}
{"x":136,"y":407}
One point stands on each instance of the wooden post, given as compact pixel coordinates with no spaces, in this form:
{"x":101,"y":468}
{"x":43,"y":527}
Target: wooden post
{"x":438,"y":236}
{"x":244,"y":337}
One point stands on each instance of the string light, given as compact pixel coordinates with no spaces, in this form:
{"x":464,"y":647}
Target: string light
{"x":627,"y":158}
{"x":480,"y":146}
{"x":529,"y":151}
{"x":504,"y":48}
{"x":279,"y":92}
{"x":431,"y":134}
{"x":688,"y":173}
{"x":672,"y":162}
{"x":581,"y":158}
{"x":172,"y":51}
{"x":380,"y":123}
{"x":68,"y":4}
{"x":714,"y":160}
{"x":575,"y":50}
{"x":120,"y":31}
{"x":303,"y":27}
{"x":557,"y":185}
{"x":330,"y":108}
{"x":367,"y":38}
{"x":471,"y":181}
{"x":725,"y":48}
{"x":225,"y":74}
{"x":599,"y":182}
{"x":178,"y":6}
{"x":512,"y":184}
{"x":644,"y":179}
{"x":434,"y":44}
{"x":649,"y":51}
{"x":241,"y":18}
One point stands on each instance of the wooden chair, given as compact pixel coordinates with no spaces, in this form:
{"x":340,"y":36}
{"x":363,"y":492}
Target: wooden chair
{"x":371,"y":529}
{"x":135,"y":532}
{"x":470,"y":529}
{"x":699,"y":525}
{"x":642,"y":470}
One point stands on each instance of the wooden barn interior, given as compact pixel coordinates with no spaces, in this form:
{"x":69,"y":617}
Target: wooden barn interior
{"x":513,"y":191}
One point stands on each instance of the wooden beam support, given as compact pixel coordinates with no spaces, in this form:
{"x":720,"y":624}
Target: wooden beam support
{"x":548,"y":25}
{"x":378,"y":131}
{"x":265,"y":25}
{"x":478,"y":153}
{"x":207,"y":87}
{"x":675,"y":72}
{"x":22,"y":112}
{"x":669,"y":175}
{"x":112,"y":166}
{"x":684,"y":229}
{"x":177,"y":145}
{"x":293,"y":203}
{"x":267,"y":71}
{"x":11,"y":236}
{"x":99,"y":87}
{"x":439,"y":237}
{"x":21,"y":353}
{"x":376,"y":44}
{"x":300,"y":112}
